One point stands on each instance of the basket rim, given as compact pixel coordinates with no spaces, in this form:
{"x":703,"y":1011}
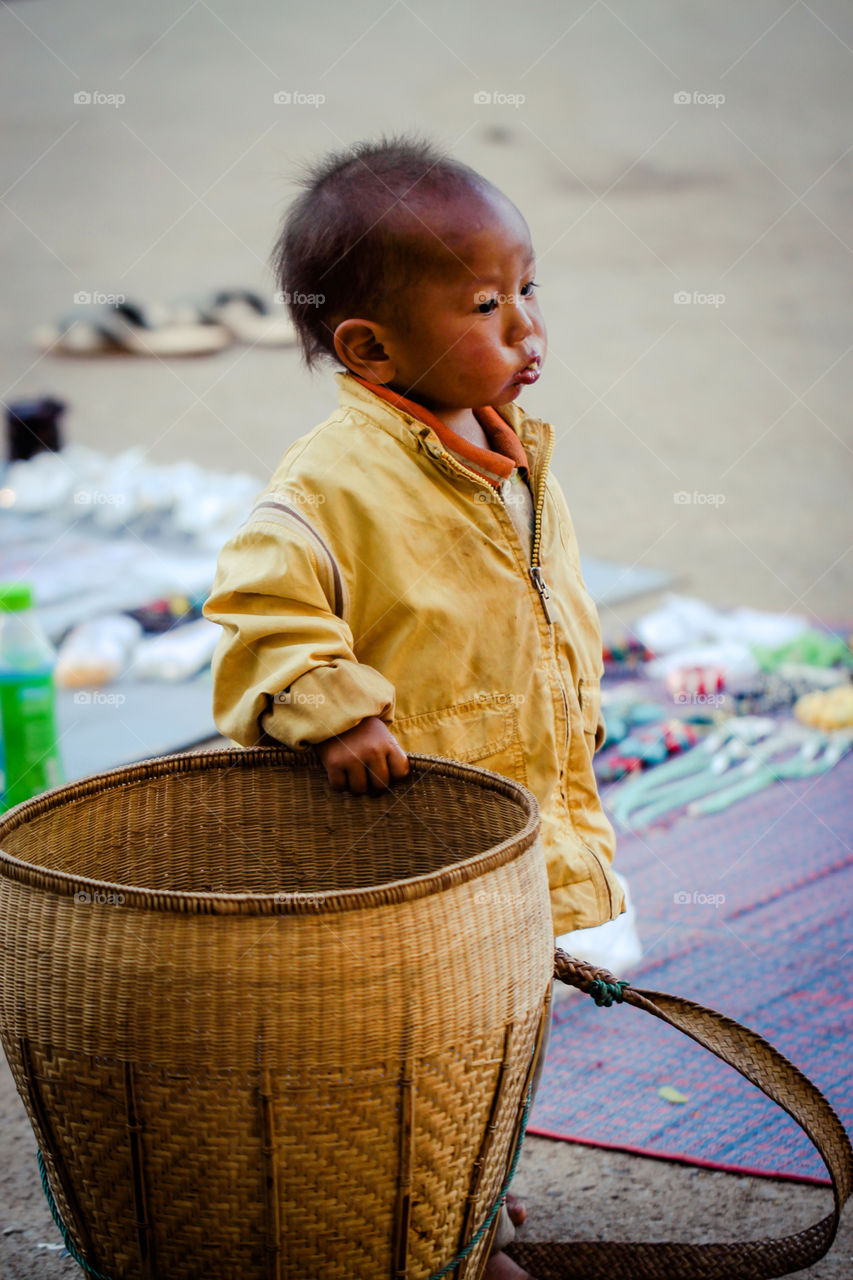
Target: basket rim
{"x":67,"y":884}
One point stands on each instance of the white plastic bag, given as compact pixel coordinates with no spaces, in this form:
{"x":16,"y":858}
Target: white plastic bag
{"x":176,"y":654}
{"x":97,"y":652}
{"x":614,"y":945}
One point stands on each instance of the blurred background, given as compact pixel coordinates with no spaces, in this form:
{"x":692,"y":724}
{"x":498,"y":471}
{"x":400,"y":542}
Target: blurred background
{"x":686,"y":172}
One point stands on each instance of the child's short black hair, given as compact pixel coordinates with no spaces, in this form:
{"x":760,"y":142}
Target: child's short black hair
{"x":346,"y":245}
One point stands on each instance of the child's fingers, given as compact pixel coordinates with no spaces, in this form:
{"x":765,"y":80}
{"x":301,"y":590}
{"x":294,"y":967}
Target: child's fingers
{"x":365,"y":759}
{"x":378,"y":772}
{"x":398,"y":762}
{"x":391,"y":766}
{"x":358,"y":779}
{"x":337,"y":777}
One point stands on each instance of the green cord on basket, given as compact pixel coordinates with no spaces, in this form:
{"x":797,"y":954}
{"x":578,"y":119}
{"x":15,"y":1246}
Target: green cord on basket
{"x":478,"y":1235}
{"x":63,"y":1230}
{"x":606,"y":993}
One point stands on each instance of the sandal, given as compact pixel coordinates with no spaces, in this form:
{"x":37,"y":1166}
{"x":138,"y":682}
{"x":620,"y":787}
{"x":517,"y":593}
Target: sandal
{"x":127,"y":328}
{"x":248,"y":318}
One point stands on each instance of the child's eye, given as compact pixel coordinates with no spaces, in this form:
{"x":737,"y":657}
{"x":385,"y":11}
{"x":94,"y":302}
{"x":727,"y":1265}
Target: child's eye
{"x":486,"y":306}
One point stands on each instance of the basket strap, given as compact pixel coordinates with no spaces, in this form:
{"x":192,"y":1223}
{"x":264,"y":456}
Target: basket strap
{"x":761,"y":1064}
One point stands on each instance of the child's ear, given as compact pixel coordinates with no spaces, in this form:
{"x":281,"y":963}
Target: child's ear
{"x":358,"y":345}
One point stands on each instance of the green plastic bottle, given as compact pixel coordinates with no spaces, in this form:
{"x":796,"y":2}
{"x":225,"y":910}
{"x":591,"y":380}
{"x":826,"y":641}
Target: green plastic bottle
{"x":29,"y":755}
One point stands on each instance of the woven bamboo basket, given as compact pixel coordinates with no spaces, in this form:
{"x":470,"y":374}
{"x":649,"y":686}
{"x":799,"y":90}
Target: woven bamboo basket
{"x":262,"y":1029}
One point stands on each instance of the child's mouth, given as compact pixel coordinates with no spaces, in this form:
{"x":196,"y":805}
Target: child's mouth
{"x":528,"y":375}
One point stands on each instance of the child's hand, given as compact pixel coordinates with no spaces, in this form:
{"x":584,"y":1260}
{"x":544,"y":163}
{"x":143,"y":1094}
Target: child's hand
{"x":366,"y":757}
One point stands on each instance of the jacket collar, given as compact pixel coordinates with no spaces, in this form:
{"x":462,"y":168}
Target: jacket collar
{"x":495,"y":463}
{"x":534,"y":434}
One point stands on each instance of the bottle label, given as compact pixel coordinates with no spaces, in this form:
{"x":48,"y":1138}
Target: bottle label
{"x":30,"y":757}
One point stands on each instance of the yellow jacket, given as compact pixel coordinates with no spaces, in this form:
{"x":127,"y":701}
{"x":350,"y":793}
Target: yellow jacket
{"x":378,"y":576}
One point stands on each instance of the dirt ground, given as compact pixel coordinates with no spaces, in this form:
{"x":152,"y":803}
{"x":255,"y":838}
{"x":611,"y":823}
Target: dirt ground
{"x":686,"y":172}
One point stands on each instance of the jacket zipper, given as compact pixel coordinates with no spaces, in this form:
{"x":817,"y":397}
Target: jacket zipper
{"x":539,"y":582}
{"x":544,"y":594}
{"x":534,"y":569}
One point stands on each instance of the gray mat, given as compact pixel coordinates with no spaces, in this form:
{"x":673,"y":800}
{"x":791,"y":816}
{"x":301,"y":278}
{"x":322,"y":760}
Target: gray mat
{"x":129,"y":721}
{"x":608,"y":583}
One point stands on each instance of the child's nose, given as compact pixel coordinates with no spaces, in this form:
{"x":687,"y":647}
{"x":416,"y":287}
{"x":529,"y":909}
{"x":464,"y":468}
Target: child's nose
{"x":519,"y":323}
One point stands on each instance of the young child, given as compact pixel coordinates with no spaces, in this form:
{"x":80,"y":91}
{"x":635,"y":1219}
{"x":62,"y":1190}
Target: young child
{"x":410,"y":581}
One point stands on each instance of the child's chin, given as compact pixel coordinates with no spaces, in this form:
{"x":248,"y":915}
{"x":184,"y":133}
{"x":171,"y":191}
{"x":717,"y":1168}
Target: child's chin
{"x":507,"y":395}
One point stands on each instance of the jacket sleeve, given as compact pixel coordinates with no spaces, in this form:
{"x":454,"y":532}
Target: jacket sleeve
{"x":285,"y":665}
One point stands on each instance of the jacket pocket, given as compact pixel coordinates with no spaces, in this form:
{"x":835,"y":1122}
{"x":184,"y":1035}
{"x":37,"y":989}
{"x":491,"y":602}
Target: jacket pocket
{"x":483,"y":731}
{"x":589,"y":697}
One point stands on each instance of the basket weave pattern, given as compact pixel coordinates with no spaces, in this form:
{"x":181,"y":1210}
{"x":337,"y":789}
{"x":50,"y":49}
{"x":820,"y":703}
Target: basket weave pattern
{"x":289,"y":1033}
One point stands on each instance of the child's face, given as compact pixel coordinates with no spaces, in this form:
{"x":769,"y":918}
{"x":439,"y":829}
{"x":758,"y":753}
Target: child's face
{"x":468,"y":331}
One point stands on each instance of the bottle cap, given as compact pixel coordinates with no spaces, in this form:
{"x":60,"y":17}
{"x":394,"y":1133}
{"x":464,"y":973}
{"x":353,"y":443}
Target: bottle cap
{"x":15,"y":596}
